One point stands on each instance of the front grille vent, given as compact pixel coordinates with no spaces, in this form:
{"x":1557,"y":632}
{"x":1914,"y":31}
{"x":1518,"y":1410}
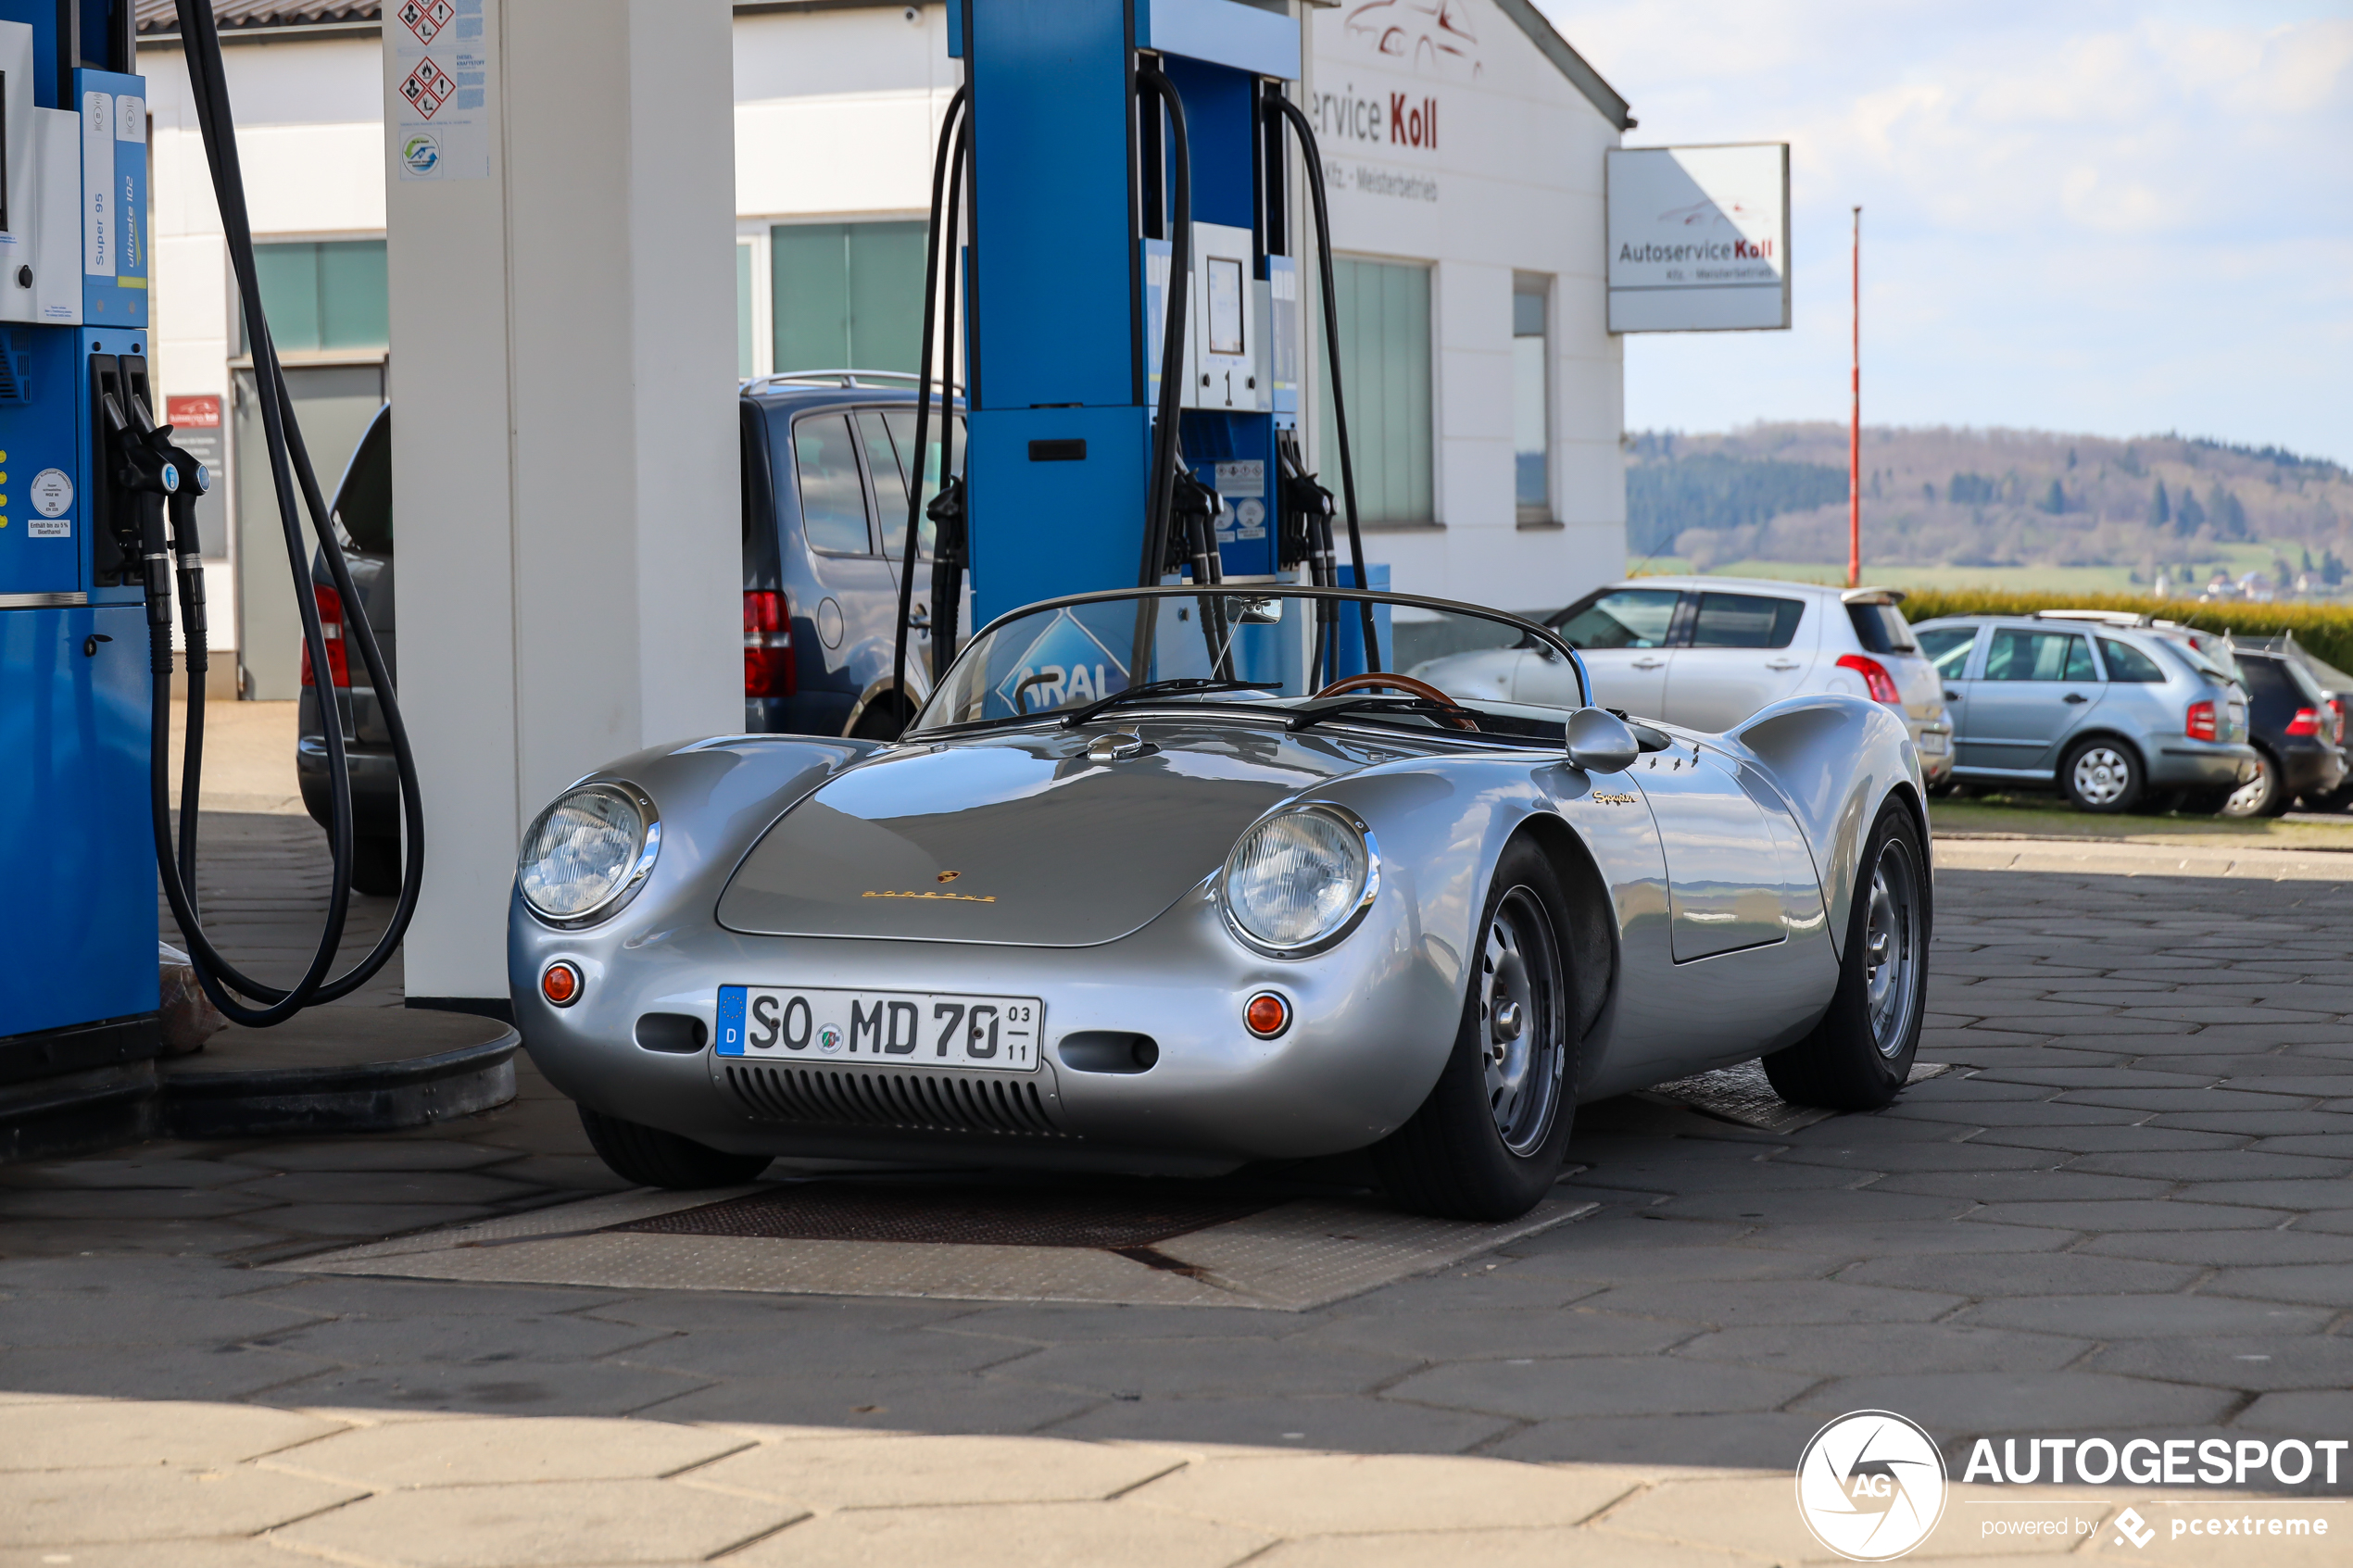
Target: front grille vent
{"x":920,"y":1101}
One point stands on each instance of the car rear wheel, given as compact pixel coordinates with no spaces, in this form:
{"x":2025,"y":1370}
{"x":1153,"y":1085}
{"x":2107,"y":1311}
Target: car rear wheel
{"x":2102,"y":775}
{"x":1488,"y":1141}
{"x":652,"y":1158}
{"x":1860,"y":1054}
{"x":2262,"y":796}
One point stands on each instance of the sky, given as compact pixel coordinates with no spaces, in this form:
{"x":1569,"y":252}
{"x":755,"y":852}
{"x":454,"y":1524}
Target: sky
{"x":2078,"y":214}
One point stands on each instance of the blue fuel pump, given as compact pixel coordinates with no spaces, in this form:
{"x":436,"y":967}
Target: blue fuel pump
{"x":97,"y":526}
{"x":1134,"y":345}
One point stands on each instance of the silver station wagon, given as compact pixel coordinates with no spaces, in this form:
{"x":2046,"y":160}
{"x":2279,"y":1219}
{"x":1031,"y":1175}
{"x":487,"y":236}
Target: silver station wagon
{"x":2115,"y":719}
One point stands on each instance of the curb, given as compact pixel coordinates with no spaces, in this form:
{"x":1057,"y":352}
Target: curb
{"x":374,"y":1097}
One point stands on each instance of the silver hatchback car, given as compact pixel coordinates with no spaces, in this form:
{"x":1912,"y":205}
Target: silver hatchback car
{"x":2115,"y":720}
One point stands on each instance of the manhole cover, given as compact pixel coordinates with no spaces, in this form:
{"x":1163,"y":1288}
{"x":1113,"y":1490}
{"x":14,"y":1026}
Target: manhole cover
{"x":990,"y":1217}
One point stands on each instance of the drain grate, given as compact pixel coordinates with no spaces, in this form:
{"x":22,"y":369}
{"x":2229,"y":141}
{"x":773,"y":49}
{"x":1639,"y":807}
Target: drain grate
{"x":991,"y":1217}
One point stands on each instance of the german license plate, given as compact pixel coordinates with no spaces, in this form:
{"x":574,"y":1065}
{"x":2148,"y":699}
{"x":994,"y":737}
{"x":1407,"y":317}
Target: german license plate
{"x":881,"y":1028}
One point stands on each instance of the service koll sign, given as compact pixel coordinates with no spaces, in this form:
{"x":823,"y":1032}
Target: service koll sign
{"x":1699,"y":238}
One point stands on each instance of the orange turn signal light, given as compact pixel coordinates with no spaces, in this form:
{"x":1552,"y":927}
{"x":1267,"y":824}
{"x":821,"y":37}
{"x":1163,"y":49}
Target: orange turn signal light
{"x":560,"y":984}
{"x":1266,"y":1015}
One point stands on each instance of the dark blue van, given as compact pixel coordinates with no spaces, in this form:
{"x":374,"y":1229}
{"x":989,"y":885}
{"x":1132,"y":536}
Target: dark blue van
{"x":827,"y":459}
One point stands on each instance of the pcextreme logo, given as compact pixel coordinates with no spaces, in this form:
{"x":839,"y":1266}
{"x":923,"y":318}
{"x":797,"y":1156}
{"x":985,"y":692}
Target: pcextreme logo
{"x":1870,"y":1485}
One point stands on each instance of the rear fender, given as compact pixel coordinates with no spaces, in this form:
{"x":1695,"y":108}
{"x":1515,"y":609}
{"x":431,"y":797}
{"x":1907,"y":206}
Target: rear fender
{"x":1836,"y":760}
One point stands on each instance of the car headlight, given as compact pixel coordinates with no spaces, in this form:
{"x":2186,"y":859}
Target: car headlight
{"x":1298,"y":881}
{"x":587,"y":853}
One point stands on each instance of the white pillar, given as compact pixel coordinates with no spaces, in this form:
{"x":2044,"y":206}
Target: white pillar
{"x":564,"y":431}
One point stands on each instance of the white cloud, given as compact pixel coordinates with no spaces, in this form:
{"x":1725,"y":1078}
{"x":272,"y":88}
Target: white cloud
{"x":2113,"y":217}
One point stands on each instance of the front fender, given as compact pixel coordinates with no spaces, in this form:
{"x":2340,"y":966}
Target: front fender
{"x":714,"y":798}
{"x":1836,"y":759}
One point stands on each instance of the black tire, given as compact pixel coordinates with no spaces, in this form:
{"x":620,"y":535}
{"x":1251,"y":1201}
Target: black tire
{"x":2336,"y":800}
{"x":2202,"y":802}
{"x":1861,"y":1052}
{"x":1489,"y":1142}
{"x":884,"y":720}
{"x":2102,"y":774}
{"x":652,"y":1158}
{"x":375,"y":864}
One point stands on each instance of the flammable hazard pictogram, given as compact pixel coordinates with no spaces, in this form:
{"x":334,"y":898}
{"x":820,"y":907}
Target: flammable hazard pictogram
{"x":428,"y":87}
{"x":426,"y":20}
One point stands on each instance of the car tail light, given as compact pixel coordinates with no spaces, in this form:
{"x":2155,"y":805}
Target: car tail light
{"x":330,"y":628}
{"x":768,"y":660}
{"x":2336,"y":721}
{"x":2200,"y":723}
{"x":1876,"y":679}
{"x":2306,"y":722}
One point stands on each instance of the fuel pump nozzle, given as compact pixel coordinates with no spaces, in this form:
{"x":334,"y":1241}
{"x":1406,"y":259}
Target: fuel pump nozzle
{"x":143,"y":464}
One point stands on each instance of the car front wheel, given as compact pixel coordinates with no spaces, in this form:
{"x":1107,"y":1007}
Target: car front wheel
{"x":652,"y":1158}
{"x":2102,"y":775}
{"x":1489,"y":1142}
{"x":1861,"y":1053}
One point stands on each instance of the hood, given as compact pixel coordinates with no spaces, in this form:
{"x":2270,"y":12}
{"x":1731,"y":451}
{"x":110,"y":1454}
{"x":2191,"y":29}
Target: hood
{"x":1019,"y":838}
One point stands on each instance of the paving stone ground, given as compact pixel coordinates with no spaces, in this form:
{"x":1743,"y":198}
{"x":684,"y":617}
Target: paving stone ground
{"x":2127,"y":1214}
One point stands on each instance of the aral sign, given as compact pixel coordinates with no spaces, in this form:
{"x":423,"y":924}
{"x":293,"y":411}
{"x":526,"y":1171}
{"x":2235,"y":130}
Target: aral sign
{"x":1699,"y":238}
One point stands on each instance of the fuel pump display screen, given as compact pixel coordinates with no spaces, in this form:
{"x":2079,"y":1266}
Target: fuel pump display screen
{"x":1225,"y":305}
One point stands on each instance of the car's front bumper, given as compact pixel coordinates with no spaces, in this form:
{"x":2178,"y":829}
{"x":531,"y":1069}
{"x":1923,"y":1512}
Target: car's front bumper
{"x":1373,"y":1020}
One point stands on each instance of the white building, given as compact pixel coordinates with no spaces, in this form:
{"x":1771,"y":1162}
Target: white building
{"x":1463,"y":144}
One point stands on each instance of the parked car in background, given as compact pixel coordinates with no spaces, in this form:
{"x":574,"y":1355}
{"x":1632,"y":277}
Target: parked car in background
{"x":2298,"y":734}
{"x":2337,"y":687}
{"x":2117,"y":719}
{"x":2213,"y":647}
{"x":827,"y":459}
{"x":1707,"y":652}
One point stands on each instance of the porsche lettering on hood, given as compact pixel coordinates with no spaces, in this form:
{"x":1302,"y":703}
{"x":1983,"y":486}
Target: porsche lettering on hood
{"x":1048,"y":849}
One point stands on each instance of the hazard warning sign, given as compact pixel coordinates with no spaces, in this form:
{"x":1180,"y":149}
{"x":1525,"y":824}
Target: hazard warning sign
{"x":426,"y":20}
{"x":427,"y":87}
{"x":446,"y":81}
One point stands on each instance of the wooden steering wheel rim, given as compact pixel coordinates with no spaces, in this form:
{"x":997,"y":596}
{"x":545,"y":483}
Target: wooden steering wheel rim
{"x":1372,"y":678}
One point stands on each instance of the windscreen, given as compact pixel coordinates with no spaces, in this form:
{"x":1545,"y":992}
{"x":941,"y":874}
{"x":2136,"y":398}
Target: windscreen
{"x":1262,"y":647}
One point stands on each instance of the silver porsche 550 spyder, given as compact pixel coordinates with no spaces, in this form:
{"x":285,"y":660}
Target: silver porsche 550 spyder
{"x":1173,"y":880}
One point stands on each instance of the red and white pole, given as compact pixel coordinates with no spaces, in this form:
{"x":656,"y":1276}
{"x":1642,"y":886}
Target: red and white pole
{"x":1854,"y":429}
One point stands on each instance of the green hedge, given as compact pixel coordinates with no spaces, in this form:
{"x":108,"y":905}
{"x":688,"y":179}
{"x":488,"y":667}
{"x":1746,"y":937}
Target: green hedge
{"x":2326,"y":629}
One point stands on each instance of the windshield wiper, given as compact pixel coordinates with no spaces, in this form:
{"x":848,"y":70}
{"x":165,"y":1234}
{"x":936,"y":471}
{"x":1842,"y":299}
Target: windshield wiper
{"x":1185,"y":685}
{"x":1337,"y":707}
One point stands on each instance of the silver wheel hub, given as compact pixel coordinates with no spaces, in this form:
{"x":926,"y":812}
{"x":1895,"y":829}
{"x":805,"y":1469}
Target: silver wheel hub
{"x":1521,"y":1018}
{"x":2102,"y":775}
{"x":1892,"y":947}
{"x":2248,"y":798}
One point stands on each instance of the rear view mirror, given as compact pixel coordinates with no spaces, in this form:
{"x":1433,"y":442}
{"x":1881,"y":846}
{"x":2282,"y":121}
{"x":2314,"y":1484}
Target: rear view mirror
{"x":1266,"y":611}
{"x":1599,"y":741}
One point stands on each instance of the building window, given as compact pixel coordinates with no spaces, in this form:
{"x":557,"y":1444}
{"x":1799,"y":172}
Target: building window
{"x":322,"y":296}
{"x":1532,"y":398}
{"x":1385,"y":369}
{"x":847,"y":296}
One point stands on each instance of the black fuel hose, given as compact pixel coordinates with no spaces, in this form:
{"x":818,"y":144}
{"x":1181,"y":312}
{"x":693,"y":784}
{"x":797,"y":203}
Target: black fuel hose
{"x":1158,"y":516}
{"x":951,"y":153}
{"x":1315,"y":156}
{"x":289,"y":463}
